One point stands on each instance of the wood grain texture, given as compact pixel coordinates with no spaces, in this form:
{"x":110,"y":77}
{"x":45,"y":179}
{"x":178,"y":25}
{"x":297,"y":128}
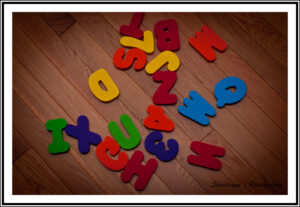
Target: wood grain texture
{"x":219,"y":122}
{"x":20,"y":145}
{"x":264,"y":34}
{"x":245,"y":47}
{"x":20,"y":185}
{"x":39,"y":175}
{"x":54,"y":54}
{"x":278,"y":20}
{"x":59,"y":22}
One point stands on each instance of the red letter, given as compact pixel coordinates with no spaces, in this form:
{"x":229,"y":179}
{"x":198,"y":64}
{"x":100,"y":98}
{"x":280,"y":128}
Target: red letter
{"x":144,"y":172}
{"x":133,"y":54}
{"x":158,"y":120}
{"x":204,"y":42}
{"x":168,"y":79}
{"x":132,"y":29}
{"x":166,"y":32}
{"x":206,"y":153}
{"x":113,"y":148}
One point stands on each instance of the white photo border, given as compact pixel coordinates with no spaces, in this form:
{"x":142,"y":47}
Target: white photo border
{"x":6,"y":140}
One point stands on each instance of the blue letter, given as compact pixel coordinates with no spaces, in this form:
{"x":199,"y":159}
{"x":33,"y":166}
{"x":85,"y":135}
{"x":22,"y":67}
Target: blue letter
{"x":82,"y":133}
{"x":196,"y":108}
{"x":225,"y":96}
{"x":159,"y":148}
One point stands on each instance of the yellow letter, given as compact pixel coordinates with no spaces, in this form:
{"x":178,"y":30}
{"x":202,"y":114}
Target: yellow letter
{"x":163,"y":58}
{"x":111,"y":91}
{"x":147,"y":45}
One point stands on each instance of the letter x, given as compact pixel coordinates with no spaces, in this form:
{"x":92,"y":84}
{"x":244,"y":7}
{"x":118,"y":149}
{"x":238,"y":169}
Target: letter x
{"x":82,"y":133}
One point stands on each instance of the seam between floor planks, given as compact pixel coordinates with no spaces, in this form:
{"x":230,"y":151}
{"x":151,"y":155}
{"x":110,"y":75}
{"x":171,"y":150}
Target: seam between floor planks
{"x":220,"y":69}
{"x":27,"y":147}
{"x":138,"y":119}
{"x":250,"y":99}
{"x":80,"y":94}
{"x":223,"y":27}
{"x":225,"y":106}
{"x":100,"y":46}
{"x":35,"y":151}
{"x":225,"y":75}
{"x":177,"y":125}
{"x":121,"y":103}
{"x":36,"y":113}
{"x":261,"y":14}
{"x":263,"y":48}
{"x":268,"y":50}
{"x":39,"y":118}
{"x":48,"y":171}
{"x":285,"y":101}
{"x":248,"y":129}
{"x":74,"y":88}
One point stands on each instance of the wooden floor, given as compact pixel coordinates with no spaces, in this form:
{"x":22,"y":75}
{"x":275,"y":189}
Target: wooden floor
{"x":54,"y":54}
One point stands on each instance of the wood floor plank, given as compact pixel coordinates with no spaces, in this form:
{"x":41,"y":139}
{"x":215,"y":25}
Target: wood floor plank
{"x":82,"y":52}
{"x":240,"y":171}
{"x":264,"y":98}
{"x":278,"y":20}
{"x":35,"y":133}
{"x":119,"y":19}
{"x":76,"y":39}
{"x":39,"y":175}
{"x":59,"y":22}
{"x":242,"y":44}
{"x":20,"y":145}
{"x":82,"y":107}
{"x":187,"y":150}
{"x":87,"y":20}
{"x":110,"y":113}
{"x":20,"y":185}
{"x":209,"y":75}
{"x":93,"y":56}
{"x":264,"y":34}
{"x":110,"y":182}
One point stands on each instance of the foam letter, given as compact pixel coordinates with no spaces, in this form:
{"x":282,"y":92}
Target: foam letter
{"x":223,"y":93}
{"x":112,"y":91}
{"x":144,"y":172}
{"x":147,"y":45}
{"x":168,"y":79}
{"x":159,"y":148}
{"x":196,"y":108}
{"x":58,"y":145}
{"x":134,"y":135}
{"x":166,"y":32}
{"x":83,"y":134}
{"x":158,"y":120}
{"x":205,"y":40}
{"x":110,"y":145}
{"x":206,"y":153}
{"x":132,"y":29}
{"x":133,"y":54}
{"x":160,"y":60}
